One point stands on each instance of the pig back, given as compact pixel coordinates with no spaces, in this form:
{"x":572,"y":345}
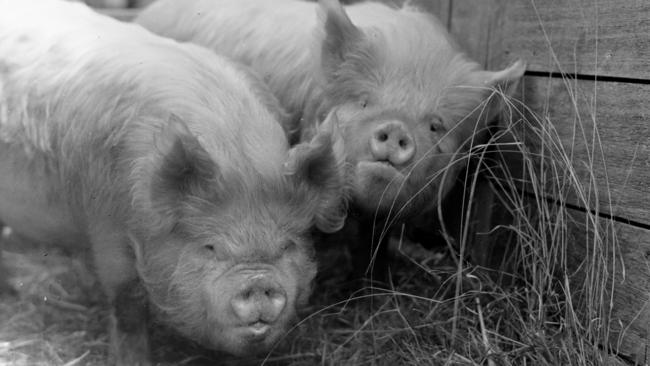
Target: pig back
{"x":275,"y":38}
{"x":82,"y":100}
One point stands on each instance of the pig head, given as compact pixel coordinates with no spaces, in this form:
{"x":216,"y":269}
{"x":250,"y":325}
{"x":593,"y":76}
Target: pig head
{"x":409,"y":104}
{"x":227,"y":258}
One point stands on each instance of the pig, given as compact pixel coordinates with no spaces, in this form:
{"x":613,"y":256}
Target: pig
{"x":168,"y":164}
{"x":407,"y":100}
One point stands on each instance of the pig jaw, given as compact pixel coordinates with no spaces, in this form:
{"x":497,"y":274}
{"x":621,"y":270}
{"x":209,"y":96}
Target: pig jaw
{"x":382,"y":190}
{"x":398,"y":163}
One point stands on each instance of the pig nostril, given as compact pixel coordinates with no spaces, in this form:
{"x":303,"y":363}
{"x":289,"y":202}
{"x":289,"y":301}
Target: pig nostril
{"x":383,"y":137}
{"x":403,"y":143}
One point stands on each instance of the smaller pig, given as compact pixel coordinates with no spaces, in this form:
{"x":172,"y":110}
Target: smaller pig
{"x":168,"y":163}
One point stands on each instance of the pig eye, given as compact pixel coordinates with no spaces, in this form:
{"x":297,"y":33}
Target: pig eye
{"x":209,"y":247}
{"x":435,"y":125}
{"x":289,"y":246}
{"x":363,"y":103}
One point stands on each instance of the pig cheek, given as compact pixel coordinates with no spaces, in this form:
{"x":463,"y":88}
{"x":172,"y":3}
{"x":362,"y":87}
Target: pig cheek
{"x":356,"y":138}
{"x":355,"y":134}
{"x":435,"y":167}
{"x":216,"y":299}
{"x":303,"y":270}
{"x":374,"y":194}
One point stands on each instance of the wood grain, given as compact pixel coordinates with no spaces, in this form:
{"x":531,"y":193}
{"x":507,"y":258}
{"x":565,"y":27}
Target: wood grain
{"x":620,"y":264}
{"x":470,"y":24}
{"x":603,"y":267}
{"x":602,"y":131}
{"x":600,"y":37}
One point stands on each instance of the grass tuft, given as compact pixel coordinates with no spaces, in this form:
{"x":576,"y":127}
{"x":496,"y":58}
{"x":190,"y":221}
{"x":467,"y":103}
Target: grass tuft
{"x":535,"y":300}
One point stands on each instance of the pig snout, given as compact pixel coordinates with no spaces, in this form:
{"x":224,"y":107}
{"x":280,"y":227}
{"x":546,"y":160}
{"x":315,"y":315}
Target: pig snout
{"x":391,"y":141}
{"x":261,"y":301}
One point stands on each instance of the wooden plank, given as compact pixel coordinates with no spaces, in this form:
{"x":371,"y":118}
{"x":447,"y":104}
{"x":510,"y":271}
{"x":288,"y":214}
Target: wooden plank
{"x":605,"y":136}
{"x":470,"y":23}
{"x":619,"y":260}
{"x":602,"y":265}
{"x":599,"y":37}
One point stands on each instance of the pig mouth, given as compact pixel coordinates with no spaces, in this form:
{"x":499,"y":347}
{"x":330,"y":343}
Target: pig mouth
{"x":381,"y":188}
{"x":252,"y":339}
{"x":256,"y":333}
{"x":376,"y":174}
{"x":380,"y":169}
{"x":256,"y":338}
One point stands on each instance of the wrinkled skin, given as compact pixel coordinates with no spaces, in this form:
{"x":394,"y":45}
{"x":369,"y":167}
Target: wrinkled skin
{"x":169,"y":164}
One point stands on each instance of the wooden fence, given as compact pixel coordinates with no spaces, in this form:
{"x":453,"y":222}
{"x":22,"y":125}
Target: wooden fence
{"x":589,"y":74}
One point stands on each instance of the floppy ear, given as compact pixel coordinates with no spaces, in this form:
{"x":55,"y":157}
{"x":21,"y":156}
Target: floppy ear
{"x":182,"y":169}
{"x":477,"y":107}
{"x":507,"y":79}
{"x":341,"y":36}
{"x":320,"y":164}
{"x":505,"y":82}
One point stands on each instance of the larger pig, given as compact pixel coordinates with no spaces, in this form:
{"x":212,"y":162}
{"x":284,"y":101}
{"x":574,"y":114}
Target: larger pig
{"x":165,"y":160}
{"x":407,"y":100}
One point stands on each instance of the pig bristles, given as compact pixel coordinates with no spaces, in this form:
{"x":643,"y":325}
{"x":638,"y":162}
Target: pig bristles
{"x":334,"y":203}
{"x":136,"y":246}
{"x":181,"y":285}
{"x":334,"y":220}
{"x":459,"y":157}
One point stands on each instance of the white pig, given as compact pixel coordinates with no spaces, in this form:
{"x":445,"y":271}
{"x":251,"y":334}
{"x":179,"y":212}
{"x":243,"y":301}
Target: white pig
{"x":165,"y":160}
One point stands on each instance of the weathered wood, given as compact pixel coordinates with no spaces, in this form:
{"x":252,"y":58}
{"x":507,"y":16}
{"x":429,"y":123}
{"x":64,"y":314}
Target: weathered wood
{"x":600,"y":37}
{"x":615,"y":256}
{"x":603,"y":130}
{"x":604,"y":135}
{"x":470,"y":24}
{"x":601,"y":265}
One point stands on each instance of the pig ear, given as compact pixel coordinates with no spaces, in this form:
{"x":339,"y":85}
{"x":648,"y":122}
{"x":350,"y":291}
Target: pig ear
{"x":341,"y":35}
{"x":320,"y":163}
{"x":184,"y":166}
{"x":507,"y":79}
{"x":505,"y":82}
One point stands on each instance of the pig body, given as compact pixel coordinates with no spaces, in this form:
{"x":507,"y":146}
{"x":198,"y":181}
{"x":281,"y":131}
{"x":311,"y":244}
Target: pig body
{"x":407,"y":100}
{"x":165,"y":161}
